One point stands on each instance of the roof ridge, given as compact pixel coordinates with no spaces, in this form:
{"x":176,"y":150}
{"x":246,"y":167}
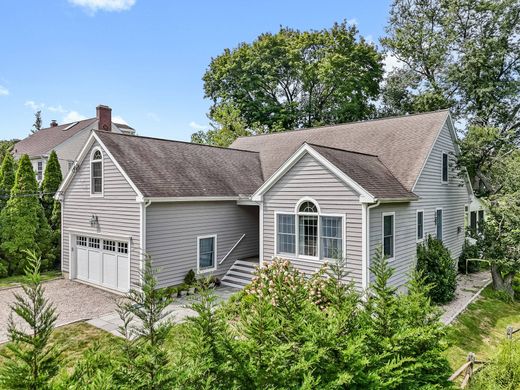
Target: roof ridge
{"x":173,"y":140}
{"x":343,"y":150}
{"x":346,"y":123}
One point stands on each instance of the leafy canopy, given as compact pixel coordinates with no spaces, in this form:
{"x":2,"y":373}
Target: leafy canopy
{"x":294,"y":78}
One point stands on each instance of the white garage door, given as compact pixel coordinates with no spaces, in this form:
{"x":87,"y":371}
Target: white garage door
{"x":103,"y":261}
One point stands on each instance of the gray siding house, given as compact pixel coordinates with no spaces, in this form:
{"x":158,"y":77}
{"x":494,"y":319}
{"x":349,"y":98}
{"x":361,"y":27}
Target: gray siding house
{"x":309,"y":195}
{"x":66,"y":140}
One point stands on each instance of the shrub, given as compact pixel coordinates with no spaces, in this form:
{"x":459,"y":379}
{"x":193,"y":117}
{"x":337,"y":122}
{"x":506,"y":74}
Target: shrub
{"x":469,"y":251}
{"x":436,"y":265}
{"x":190,"y":279}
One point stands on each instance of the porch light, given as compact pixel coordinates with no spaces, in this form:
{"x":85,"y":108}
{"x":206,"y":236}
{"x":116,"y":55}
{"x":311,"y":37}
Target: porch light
{"x":94,"y":220}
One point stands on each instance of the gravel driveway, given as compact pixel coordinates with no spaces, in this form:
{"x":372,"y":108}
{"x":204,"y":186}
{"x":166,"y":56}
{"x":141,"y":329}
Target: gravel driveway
{"x":74,"y":301}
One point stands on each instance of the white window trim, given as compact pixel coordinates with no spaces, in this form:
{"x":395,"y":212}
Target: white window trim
{"x":442,"y":223}
{"x":383,"y":215}
{"x":39,"y":174}
{"x":296,"y":255}
{"x":205,"y":270}
{"x":102,"y":193}
{"x":447,"y":167}
{"x":416,"y":225}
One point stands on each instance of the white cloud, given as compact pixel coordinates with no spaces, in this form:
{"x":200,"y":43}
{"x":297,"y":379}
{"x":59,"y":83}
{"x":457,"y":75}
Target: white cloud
{"x":73,"y":116}
{"x":390,"y":63}
{"x":119,"y":119}
{"x":3,"y":91}
{"x":92,"y":6}
{"x":352,"y":22}
{"x":197,"y":126}
{"x":59,"y":108}
{"x":34,"y":106}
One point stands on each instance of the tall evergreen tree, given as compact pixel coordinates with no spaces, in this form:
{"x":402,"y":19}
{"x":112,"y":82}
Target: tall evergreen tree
{"x":52,"y":178}
{"x":6,"y":179}
{"x":30,"y":361}
{"x":37,"y":125}
{"x":23,"y":225}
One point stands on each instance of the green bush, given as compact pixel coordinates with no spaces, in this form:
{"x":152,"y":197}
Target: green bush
{"x":435,"y":263}
{"x":469,"y":251}
{"x":190,"y":279}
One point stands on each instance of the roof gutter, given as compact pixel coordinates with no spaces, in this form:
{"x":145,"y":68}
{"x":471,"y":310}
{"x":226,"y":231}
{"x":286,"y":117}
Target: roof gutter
{"x":191,"y":199}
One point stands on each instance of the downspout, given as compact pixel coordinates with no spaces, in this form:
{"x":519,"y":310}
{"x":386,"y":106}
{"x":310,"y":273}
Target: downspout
{"x":144,"y":206}
{"x":365,"y":278}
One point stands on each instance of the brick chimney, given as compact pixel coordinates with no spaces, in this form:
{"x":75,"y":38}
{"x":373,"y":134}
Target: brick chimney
{"x":54,"y":123}
{"x":104,"y":116}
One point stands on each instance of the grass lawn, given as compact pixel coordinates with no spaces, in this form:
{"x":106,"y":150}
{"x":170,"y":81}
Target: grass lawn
{"x":480,"y":328}
{"x":76,"y":338}
{"x":17,"y":279}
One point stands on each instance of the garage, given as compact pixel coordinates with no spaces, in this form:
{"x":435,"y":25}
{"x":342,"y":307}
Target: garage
{"x":103,"y":262}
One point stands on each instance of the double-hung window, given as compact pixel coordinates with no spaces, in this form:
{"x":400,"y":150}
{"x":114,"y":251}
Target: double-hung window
{"x":39,"y":172}
{"x":286,"y":234}
{"x":331,"y":237}
{"x":438,"y":223}
{"x":445,"y":163}
{"x":389,"y":235}
{"x":96,"y":173}
{"x":420,"y":225}
{"x":206,"y":253}
{"x":308,"y":229}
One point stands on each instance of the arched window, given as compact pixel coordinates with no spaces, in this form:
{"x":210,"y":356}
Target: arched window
{"x":308,"y":229}
{"x":96,"y":172}
{"x":309,"y":233}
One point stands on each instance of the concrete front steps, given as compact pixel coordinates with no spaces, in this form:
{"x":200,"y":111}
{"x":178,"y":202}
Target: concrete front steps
{"x":240,"y":274}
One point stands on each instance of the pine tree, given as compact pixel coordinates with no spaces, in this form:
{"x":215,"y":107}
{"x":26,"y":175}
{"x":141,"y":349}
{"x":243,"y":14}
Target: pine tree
{"x":37,"y":125}
{"x":6,"y":179}
{"x":145,"y":327}
{"x":30,"y":361}
{"x":23,"y":225}
{"x":52,"y":178}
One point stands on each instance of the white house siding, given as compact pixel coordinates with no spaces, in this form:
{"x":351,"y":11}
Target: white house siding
{"x":308,"y":178}
{"x":172,"y":230}
{"x":451,"y":197}
{"x":117,"y":211}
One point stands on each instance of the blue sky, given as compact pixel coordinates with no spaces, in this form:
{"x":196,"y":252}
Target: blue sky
{"x":144,"y":58}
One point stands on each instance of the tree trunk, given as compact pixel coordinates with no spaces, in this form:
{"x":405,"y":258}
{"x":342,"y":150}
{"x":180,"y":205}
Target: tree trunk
{"x":502,"y":283}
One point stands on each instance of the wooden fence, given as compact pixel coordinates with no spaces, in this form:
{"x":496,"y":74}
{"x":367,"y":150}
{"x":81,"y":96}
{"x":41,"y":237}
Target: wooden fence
{"x":472,"y":364}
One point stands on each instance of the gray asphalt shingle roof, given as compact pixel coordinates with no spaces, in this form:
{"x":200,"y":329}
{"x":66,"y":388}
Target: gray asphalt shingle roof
{"x":402,"y":143}
{"x":164,"y":168}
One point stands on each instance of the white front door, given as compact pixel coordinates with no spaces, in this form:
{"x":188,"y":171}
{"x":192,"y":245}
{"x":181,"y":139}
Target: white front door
{"x":104,"y":262}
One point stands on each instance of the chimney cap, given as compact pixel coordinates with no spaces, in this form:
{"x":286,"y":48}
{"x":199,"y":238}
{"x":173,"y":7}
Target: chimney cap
{"x":54,"y":123}
{"x":104,"y":107}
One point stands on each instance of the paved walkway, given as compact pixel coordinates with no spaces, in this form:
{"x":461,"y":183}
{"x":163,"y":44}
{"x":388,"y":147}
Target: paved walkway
{"x":178,"y":311}
{"x":468,"y":288}
{"x":74,"y":302}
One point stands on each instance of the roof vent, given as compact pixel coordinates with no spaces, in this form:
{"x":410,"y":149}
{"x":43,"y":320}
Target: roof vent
{"x":69,"y":126}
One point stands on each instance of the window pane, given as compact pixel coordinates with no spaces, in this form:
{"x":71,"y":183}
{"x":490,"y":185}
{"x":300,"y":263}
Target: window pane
{"x":444,"y":167}
{"x":420,"y":225}
{"x":389,"y":222}
{"x":96,"y":169}
{"x":439,"y":224}
{"x":331,"y":237}
{"x":308,"y":235}
{"x":473,"y":221}
{"x":97,"y":155}
{"x":97,"y":185}
{"x":388,"y":236}
{"x":308,"y":207}
{"x":206,"y":252}
{"x":286,"y":238}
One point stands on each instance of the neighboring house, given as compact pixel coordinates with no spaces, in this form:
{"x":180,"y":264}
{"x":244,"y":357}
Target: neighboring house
{"x":309,"y":195}
{"x":66,"y":139}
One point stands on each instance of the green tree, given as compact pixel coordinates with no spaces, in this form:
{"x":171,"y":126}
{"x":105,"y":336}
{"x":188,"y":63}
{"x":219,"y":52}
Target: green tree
{"x":6,"y":179}
{"x":23,"y":225}
{"x":145,"y":327}
{"x":292,"y":79}
{"x":227,"y":125}
{"x":37,"y":125}
{"x":52,"y":179}
{"x":31,"y":362}
{"x":465,"y":54}
{"x":6,"y":146}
